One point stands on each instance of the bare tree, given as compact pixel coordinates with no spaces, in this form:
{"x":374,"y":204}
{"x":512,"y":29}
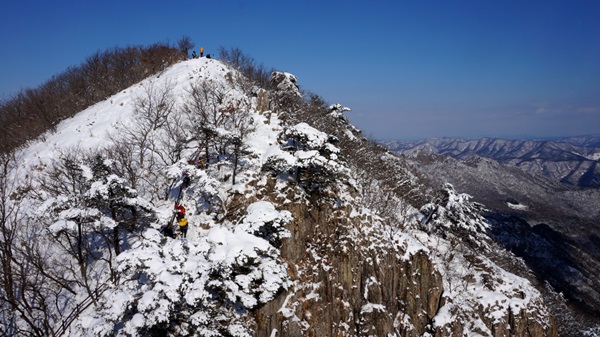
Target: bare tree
{"x":9,"y":298}
{"x":151,"y":110}
{"x":204,"y":108}
{"x":253,"y":74}
{"x":174,"y":138}
{"x":184,"y":44}
{"x":156,"y":105}
{"x":31,"y":291}
{"x":123,"y":153}
{"x":158,"y":56}
{"x":243,"y":125}
{"x":69,"y":219}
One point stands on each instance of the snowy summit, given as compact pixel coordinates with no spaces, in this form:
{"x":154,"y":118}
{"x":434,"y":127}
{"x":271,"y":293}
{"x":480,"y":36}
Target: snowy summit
{"x":201,"y":202}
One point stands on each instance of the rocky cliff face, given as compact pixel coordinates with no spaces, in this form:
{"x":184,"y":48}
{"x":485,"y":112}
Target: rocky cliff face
{"x":347,"y":282}
{"x":353,"y":277}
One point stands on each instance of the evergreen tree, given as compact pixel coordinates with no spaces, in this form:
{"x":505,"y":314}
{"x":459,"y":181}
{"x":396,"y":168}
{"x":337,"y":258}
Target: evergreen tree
{"x":453,"y":210}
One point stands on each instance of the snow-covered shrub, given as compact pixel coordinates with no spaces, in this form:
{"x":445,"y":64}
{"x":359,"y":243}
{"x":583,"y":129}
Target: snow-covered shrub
{"x":203,"y":190}
{"x":453,"y":210}
{"x":304,"y":137}
{"x":113,"y":196}
{"x":310,"y":155}
{"x":279,"y":163}
{"x":200,"y":286}
{"x":264,"y":221}
{"x":86,"y":206}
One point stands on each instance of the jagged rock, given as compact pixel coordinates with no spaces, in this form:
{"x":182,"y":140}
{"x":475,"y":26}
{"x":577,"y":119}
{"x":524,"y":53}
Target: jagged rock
{"x":262,"y":103}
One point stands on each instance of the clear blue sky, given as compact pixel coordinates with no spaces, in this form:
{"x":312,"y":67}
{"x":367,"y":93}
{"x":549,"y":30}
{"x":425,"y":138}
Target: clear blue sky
{"x":407,"y":69}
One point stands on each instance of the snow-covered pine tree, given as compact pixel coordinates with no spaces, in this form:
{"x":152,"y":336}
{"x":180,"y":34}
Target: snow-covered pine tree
{"x":308,"y":155}
{"x":452,"y":210}
{"x":114,"y":198}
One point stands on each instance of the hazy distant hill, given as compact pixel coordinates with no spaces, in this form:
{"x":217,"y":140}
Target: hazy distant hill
{"x":572,"y":161}
{"x":593,"y":140}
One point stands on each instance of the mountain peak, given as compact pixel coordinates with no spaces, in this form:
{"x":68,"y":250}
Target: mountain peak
{"x":292,"y":220}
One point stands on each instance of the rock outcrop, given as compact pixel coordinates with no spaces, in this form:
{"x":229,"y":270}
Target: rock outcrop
{"x":353,"y":278}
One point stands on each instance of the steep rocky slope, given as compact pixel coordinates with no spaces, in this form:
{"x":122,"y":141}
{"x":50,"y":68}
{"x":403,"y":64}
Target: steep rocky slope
{"x":551,"y":226}
{"x":356,"y":277}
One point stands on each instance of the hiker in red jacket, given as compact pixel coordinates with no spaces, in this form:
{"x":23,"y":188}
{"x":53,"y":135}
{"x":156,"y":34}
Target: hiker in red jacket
{"x":179,"y":211}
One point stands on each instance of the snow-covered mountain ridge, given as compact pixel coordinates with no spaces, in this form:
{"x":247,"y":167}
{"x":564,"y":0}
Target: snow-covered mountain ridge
{"x":288,"y":236}
{"x":573,"y":161}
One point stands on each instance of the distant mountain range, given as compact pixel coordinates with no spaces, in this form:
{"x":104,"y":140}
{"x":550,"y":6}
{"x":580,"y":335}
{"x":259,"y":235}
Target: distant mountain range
{"x":573,"y":161}
{"x":590,"y":141}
